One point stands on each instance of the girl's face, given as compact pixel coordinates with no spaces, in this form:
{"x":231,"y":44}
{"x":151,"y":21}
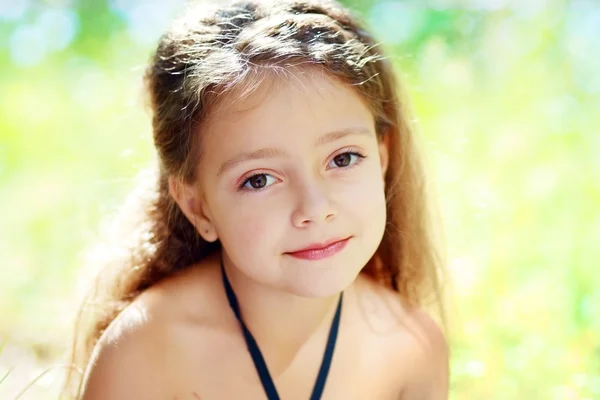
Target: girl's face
{"x":296,"y":164}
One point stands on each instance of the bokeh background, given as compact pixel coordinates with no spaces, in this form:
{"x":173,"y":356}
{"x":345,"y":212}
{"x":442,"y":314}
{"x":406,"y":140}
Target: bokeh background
{"x":507,"y":96}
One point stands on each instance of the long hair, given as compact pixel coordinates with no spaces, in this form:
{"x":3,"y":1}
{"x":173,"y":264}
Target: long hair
{"x":210,"y":52}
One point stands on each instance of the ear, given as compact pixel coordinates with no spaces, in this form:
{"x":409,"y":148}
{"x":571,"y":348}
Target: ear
{"x":192,"y":204}
{"x":384,"y":152}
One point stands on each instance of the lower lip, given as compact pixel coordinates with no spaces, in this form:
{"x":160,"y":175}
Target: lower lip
{"x":318,"y":254}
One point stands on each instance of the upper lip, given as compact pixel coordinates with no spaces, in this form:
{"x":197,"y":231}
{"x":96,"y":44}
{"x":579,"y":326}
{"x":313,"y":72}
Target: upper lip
{"x":319,"y":246}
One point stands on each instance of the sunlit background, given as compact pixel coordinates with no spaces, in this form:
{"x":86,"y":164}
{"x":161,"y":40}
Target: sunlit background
{"x":507,"y":95}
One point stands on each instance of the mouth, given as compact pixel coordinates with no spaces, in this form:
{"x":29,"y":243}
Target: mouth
{"x":318,"y":251}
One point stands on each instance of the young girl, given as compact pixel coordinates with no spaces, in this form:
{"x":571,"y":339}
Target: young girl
{"x":286,"y":250}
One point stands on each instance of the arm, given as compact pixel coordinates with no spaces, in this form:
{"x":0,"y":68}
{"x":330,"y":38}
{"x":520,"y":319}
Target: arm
{"x":429,"y":362}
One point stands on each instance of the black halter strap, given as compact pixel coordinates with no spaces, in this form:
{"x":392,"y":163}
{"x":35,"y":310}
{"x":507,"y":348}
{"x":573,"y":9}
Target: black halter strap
{"x":259,"y":361}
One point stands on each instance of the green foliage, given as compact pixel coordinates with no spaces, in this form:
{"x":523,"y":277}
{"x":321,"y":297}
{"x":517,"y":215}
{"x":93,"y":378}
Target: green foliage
{"x":507,"y":101}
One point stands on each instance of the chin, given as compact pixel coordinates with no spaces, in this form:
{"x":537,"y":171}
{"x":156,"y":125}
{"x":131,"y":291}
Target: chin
{"x":322,"y":282}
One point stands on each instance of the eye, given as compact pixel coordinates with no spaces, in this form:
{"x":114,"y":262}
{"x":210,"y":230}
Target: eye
{"x":346,"y":159}
{"x":257,"y":182}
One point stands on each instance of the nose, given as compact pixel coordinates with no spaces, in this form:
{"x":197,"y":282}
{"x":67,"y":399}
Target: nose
{"x":314,"y":205}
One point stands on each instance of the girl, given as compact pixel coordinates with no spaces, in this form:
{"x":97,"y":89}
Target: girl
{"x":286,"y":250}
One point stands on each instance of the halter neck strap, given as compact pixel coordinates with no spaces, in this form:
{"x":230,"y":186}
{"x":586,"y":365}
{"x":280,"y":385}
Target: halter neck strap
{"x":258,"y":359}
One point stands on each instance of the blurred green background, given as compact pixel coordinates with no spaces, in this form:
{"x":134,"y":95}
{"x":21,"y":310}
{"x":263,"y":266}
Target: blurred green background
{"x":507,"y":94}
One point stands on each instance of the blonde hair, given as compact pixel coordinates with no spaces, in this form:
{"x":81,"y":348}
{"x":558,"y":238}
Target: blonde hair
{"x":209,"y":53}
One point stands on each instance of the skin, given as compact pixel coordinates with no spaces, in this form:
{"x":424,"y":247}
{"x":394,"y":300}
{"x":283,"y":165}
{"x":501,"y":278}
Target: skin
{"x":180,"y":339}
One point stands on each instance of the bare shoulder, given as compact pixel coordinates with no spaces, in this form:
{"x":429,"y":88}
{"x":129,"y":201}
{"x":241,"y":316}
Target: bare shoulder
{"x":411,"y":340}
{"x":124,"y":363}
{"x":429,"y":357}
{"x":138,"y":355}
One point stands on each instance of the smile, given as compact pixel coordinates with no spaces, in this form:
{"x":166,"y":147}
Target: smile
{"x":320,"y":251}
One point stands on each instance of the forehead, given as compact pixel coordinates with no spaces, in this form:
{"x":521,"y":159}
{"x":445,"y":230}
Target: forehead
{"x":302,"y":103}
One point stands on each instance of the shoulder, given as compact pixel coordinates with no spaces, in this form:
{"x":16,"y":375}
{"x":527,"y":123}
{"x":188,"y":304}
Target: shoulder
{"x":411,"y":341}
{"x":138,"y":355}
{"x":124,"y":363}
{"x":428,"y":357}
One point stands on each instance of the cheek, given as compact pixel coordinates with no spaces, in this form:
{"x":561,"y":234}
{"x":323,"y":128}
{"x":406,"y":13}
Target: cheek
{"x":251,"y":228}
{"x":256,"y":233}
{"x":367,"y":187}
{"x":366,"y":201}
{"x":371,"y":200}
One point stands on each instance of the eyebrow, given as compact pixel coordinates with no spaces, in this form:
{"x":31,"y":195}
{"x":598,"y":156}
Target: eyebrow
{"x":341,"y":133}
{"x":271,"y":152}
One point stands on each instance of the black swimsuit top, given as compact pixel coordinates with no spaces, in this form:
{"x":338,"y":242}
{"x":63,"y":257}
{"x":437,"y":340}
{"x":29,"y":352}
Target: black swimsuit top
{"x":259,"y":362}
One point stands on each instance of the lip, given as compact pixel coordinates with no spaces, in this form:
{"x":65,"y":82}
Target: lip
{"x":317,"y":251}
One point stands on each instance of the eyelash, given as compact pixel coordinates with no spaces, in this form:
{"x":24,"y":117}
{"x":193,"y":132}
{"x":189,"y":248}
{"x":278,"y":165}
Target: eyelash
{"x":352,"y":152}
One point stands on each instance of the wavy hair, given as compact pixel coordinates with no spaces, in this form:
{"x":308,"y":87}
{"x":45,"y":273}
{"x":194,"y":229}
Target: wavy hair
{"x":209,"y":52}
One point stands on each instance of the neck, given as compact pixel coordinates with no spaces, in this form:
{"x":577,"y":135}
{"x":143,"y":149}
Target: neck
{"x":281,"y":322}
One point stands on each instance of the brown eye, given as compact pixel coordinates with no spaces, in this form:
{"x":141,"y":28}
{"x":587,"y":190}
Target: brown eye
{"x":258,"y":181}
{"x":346,"y":160}
{"x":342,"y":160}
